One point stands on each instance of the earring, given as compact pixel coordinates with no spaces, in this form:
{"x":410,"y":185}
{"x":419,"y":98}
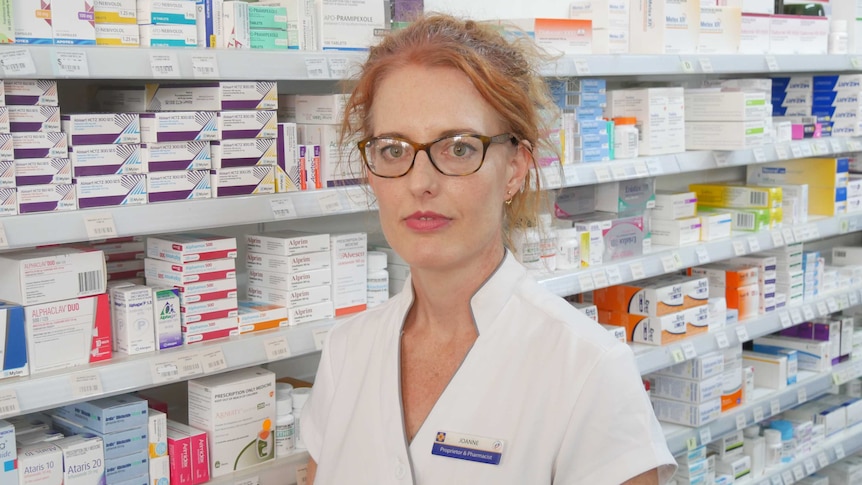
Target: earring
{"x":509,"y":200}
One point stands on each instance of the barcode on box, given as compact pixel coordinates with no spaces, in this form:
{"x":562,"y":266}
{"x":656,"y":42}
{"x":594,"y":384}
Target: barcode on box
{"x":759,"y":199}
{"x":744,"y":221}
{"x":89,"y":281}
{"x":88,"y":389}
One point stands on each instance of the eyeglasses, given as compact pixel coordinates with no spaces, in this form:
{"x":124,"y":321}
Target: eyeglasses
{"x":454,"y":155}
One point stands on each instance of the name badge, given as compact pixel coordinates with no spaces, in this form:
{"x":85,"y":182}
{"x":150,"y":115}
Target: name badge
{"x":466,"y":447}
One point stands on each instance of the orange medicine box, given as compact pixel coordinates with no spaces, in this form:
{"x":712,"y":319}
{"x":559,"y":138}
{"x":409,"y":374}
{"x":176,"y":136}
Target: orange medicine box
{"x":653,"y":299}
{"x":648,"y":330}
{"x":721,"y":276}
{"x":255,"y":316}
{"x":695,"y":290}
{"x":745,"y":299}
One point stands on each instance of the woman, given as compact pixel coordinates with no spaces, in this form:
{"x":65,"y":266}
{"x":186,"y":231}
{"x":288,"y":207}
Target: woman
{"x":473,"y":374}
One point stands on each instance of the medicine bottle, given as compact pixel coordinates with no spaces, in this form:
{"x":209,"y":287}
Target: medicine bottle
{"x":300,"y":395}
{"x":568,"y":249}
{"x":788,"y":444}
{"x":547,"y":242}
{"x":285,"y":429}
{"x":625,"y":137}
{"x":755,"y":447}
{"x":773,"y":447}
{"x":378,"y":279}
{"x":528,"y":246}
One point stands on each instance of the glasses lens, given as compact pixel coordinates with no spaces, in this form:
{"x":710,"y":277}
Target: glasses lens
{"x":458,"y":155}
{"x":389,"y":157}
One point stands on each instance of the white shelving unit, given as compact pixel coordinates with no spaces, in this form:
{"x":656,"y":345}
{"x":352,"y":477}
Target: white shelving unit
{"x":124,"y":374}
{"x":834,"y":448}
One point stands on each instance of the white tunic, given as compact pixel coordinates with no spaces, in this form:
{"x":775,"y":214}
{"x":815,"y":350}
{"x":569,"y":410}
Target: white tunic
{"x":564,"y":398}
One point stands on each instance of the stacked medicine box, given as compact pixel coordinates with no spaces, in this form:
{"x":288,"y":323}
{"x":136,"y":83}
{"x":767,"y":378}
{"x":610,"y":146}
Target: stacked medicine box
{"x":751,"y":208}
{"x":725,"y":120}
{"x":8,"y":192}
{"x":167,"y":23}
{"x":121,"y":423}
{"x":116,"y":23}
{"x":766,"y":278}
{"x":813,"y":266}
{"x":203,"y":269}
{"x":660,"y":114}
{"x":689,"y":393}
{"x":267,"y":28}
{"x":293,"y":270}
{"x":737,"y":284}
{"x":790,"y":276}
{"x":67,"y":314}
{"x":832,"y":101}
{"x":587,"y":134}
{"x":825,"y":182}
{"x":43,"y":173}
{"x":673,"y":220}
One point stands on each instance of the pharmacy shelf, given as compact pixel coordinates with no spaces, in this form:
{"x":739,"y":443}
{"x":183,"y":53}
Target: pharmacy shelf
{"x":283,"y":471}
{"x":651,"y":358}
{"x":765,"y":404}
{"x":580,"y":174}
{"x":662,"y":65}
{"x":186,"y":64}
{"x":129,"y":373}
{"x":833,"y":449}
{"x":29,"y":230}
{"x":664,"y":259}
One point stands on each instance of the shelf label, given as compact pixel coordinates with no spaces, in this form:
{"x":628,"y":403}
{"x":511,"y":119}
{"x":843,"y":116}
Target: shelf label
{"x":775,"y":407}
{"x":702,"y":255}
{"x":205,"y":66}
{"x":213,"y":360}
{"x":164,"y":370}
{"x":654,"y":167}
{"x":582,"y":67}
{"x":619,"y":173}
{"x":705,"y":436}
{"x":813,"y":231}
{"x":189,"y":365}
{"x":677,"y":355}
{"x":71,"y":64}
{"x":687,"y":66}
{"x":836,"y":145}
{"x":808,"y":313}
{"x":853,"y":145}
{"x":739,"y":247}
{"x":759,"y":154}
{"x":668,"y":263}
{"x":853,"y":299}
{"x":810,"y":467}
{"x":164,"y":65}
{"x":302,"y":475}
{"x":806,"y":150}
{"x":796,"y":150}
{"x":338,"y":67}
{"x":18,"y":62}
{"x":777,"y":239}
{"x":740,"y":421}
{"x":586,"y":282}
{"x":843,"y":302}
{"x":600,"y":280}
{"x":823,"y":459}
{"x":832,"y":305}
{"x":282,"y":208}
{"x":843,"y":226}
{"x":753,"y":244}
{"x":603,"y":175}
{"x":781,"y":151}
{"x":329,"y":203}
{"x":100,"y":225}
{"x":691,"y":443}
{"x":249,"y":481}
{"x":721,"y":158}
{"x":786,"y":322}
{"x":787,"y":476}
{"x":689,"y":350}
{"x":796,"y":316}
{"x":9,"y":403}
{"x":706,"y":65}
{"x":316,"y":68}
{"x":836,"y":379}
{"x":788,"y":235}
{"x":319,"y":336}
{"x":798,"y":472}
{"x":570,"y":175}
{"x":721,"y":340}
{"x":4,"y":241}
{"x":801,"y":395}
{"x":839,"y":452}
{"x":551,"y":177}
{"x":638,"y":272}
{"x":856,"y":62}
{"x":772,"y":63}
{"x":276,"y":348}
{"x":822,"y":309}
{"x":776,"y":480}
{"x":742,"y":333}
{"x":614,"y":277}
{"x":820,"y":147}
{"x":86,"y":384}
{"x":758,"y":414}
{"x":641,"y":169}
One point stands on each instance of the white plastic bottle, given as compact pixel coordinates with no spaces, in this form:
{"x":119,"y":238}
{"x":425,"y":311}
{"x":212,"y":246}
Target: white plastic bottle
{"x":773,"y":447}
{"x":378,"y":278}
{"x":568,"y":249}
{"x":547,"y":242}
{"x":838,"y":37}
{"x":300,"y":395}
{"x":528,"y":247}
{"x":285,"y":423}
{"x":626,"y":138}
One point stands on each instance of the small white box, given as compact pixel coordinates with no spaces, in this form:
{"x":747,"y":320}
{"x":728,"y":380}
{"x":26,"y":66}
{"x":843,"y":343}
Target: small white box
{"x":686,"y":390}
{"x":111,"y":190}
{"x":132,"y":313}
{"x":31,"y":92}
{"x":89,"y":160}
{"x":180,"y":126}
{"x":720,"y":30}
{"x":673,"y":206}
{"x":290,"y":298}
{"x":287,"y":264}
{"x":235,"y":26}
{"x":244,"y":152}
{"x":9,"y":460}
{"x":173,"y":274}
{"x":118,"y":35}
{"x":711,"y":104}
{"x":73,"y":22}
{"x":166,"y":318}
{"x":115,"y":12}
{"x":190,"y":247}
{"x":51,"y":274}
{"x":83,"y":459}
{"x":40,"y":145}
{"x":675,"y":232}
{"x":32,"y":22}
{"x":173,"y":12}
{"x":723,"y":135}
{"x":770,"y":371}
{"x":180,"y":155}
{"x":699,"y":368}
{"x":32,"y":118}
{"x":754,"y":35}
{"x":287,"y":243}
{"x":248,"y":95}
{"x":178,"y":185}
{"x":715,"y":226}
{"x":255,"y":180}
{"x":9,"y":202}
{"x":97,"y":129}
{"x":682,"y":27}
{"x":686,"y":414}
{"x":157,"y":433}
{"x":46,"y":198}
{"x":166,"y":35}
{"x":160,"y":470}
{"x":320,"y":109}
{"x":310,"y":313}
{"x":248,"y":124}
{"x":209,"y":310}
{"x":349,"y":274}
{"x":40,"y":463}
{"x":181,"y":97}
{"x":36,"y":171}
{"x":352,"y":26}
{"x":292,"y":281}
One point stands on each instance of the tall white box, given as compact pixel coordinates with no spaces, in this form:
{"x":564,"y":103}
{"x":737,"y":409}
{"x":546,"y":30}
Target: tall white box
{"x":8,"y":454}
{"x":349,"y":272}
{"x":349,"y":25}
{"x":134,"y":330}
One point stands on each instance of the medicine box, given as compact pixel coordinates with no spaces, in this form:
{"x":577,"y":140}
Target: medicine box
{"x":111,"y":190}
{"x":108,"y":414}
{"x":721,"y":276}
{"x":198,"y":443}
{"x":183,"y":155}
{"x":179,"y":185}
{"x":641,"y":298}
{"x":207,"y":290}
{"x":208,"y":310}
{"x":39,"y":463}
{"x":157,"y":437}
{"x":267,"y":17}
{"x":209,"y":330}
{"x":127,"y":467}
{"x":39,"y":171}
{"x":290,"y":281}
{"x":90,"y":160}
{"x":751,"y":220}
{"x":9,"y":202}
{"x":174,"y":126}
{"x":40,"y":145}
{"x":13,"y":343}
{"x":626,"y":197}
{"x":310,"y":313}
{"x":699,"y":368}
{"x":180,"y":457}
{"x":73,"y":22}
{"x":747,"y":197}
{"x":51,"y":274}
{"x":255,"y":180}
{"x":118,"y":35}
{"x":287,"y":243}
{"x":675,"y":232}
{"x":83,"y":460}
{"x":243,"y":437}
{"x":115,"y":12}
{"x":812,"y":355}
{"x":686,"y":390}
{"x":659,"y":330}
{"x":255,"y":316}
{"x":349,"y":274}
{"x":290,"y":298}
{"x":673,"y":206}
{"x":160,"y":470}
{"x":31,"y":92}
{"x":288,"y":264}
{"x":116,"y":444}
{"x":185,"y":248}
{"x":235,"y":26}
{"x":97,"y":129}
{"x":770,"y":371}
{"x":711,"y":104}
{"x":248,"y":94}
{"x":68,"y":333}
{"x":174,"y":97}
{"x":32,"y":118}
{"x":269,"y":39}
{"x":172,"y":12}
{"x":686,"y":414}
{"x":7,"y":153}
{"x":354,"y":26}
{"x":244,"y":152}
{"x":168,"y":35}
{"x":723,"y":135}
{"x":38,"y":437}
{"x":8,"y":456}
{"x":44,"y":198}
{"x":320,"y":109}
{"x":133,"y":319}
{"x":192,"y":272}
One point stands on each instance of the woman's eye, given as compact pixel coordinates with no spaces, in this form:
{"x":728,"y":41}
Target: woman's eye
{"x":461,"y":150}
{"x":393,"y":151}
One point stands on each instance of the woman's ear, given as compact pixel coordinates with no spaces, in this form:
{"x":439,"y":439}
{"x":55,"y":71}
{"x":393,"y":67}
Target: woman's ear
{"x":519,"y":165}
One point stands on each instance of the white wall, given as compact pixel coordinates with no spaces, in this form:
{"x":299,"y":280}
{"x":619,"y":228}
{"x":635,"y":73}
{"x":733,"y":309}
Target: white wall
{"x":497,"y":9}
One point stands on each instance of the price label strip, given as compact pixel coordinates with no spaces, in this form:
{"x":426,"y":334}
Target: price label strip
{"x":338,"y":67}
{"x":317,"y":68}
{"x":86,"y":384}
{"x":742,"y":333}
{"x":775,"y":406}
{"x":740,"y":421}
{"x":638,"y":272}
{"x":705,"y":436}
{"x":758,"y":414}
{"x":9,"y":405}
{"x":603,"y":175}
{"x":164,"y":65}
{"x":785,"y":319}
{"x":614,"y":277}
{"x":702,"y":255}
{"x":823,"y":459}
{"x":164,"y":370}
{"x":249,"y":481}
{"x":17,"y":62}
{"x":100,"y":226}
{"x":213,"y":360}
{"x":71,"y":64}
{"x":283,"y":208}
{"x":189,"y":366}
{"x":600,"y":279}
{"x":319,"y":336}
{"x":721,"y":340}
{"x":205,"y":66}
{"x":330,"y":203}
{"x":586,"y":282}
{"x":276,"y":348}
{"x":688,"y":350}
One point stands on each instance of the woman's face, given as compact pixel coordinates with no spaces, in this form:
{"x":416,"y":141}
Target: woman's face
{"x":435,"y":221}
